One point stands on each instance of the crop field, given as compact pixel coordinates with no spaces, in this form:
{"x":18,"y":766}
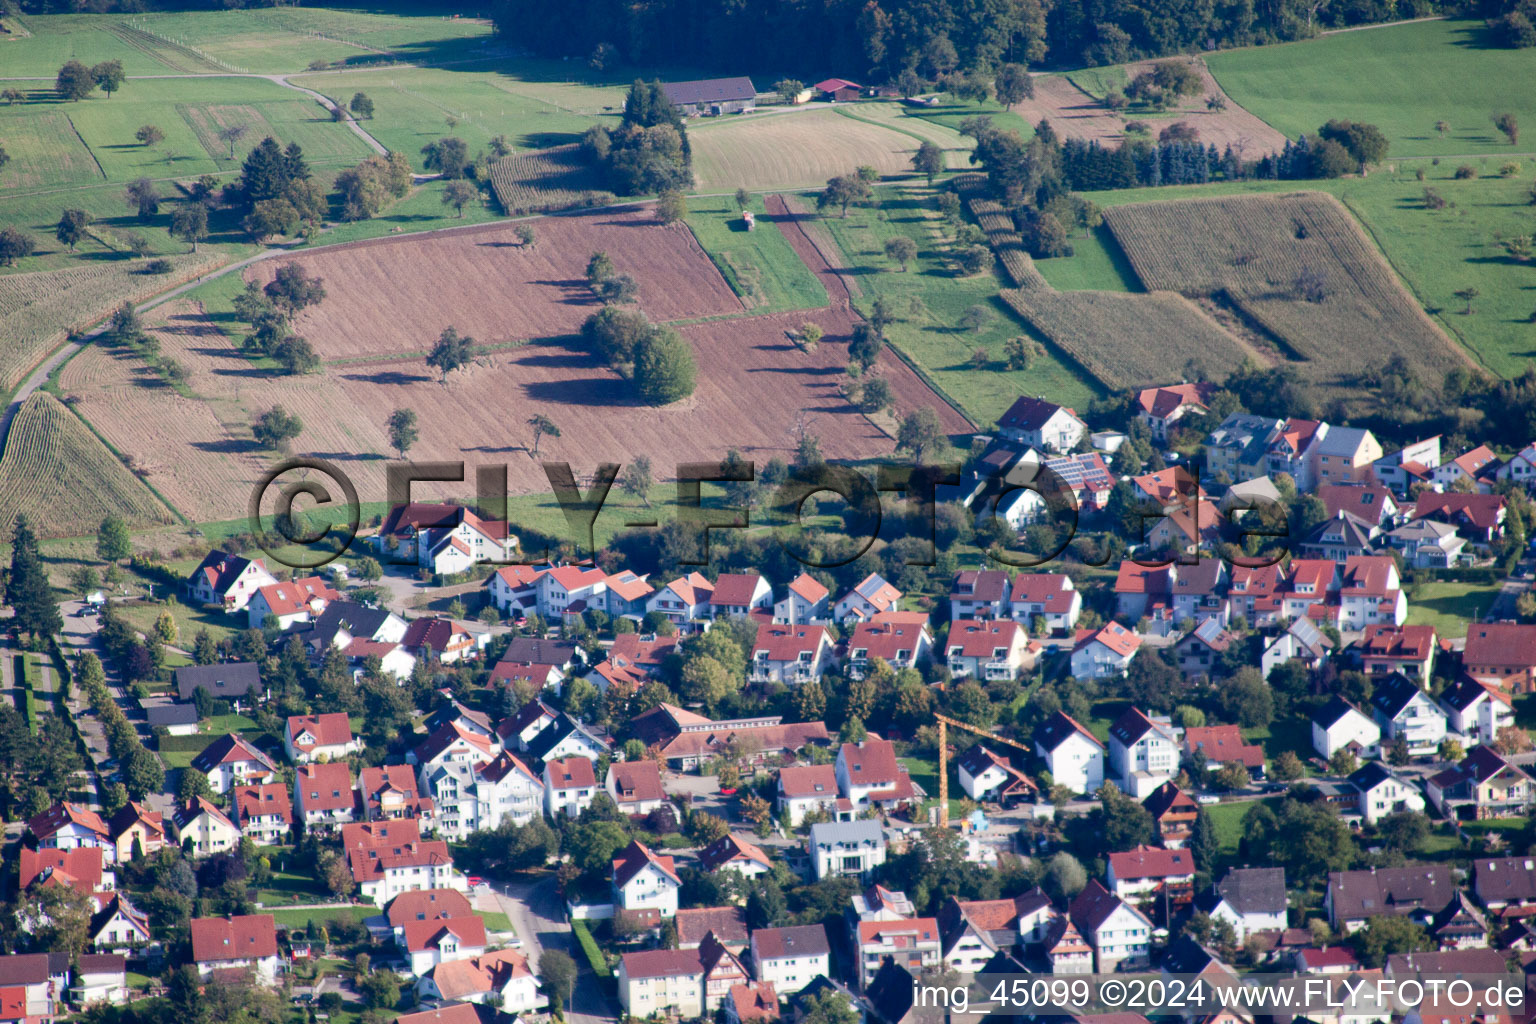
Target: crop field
{"x":1006,"y":243}
{"x":796,"y":149}
{"x":760,"y":266}
{"x":1403,"y":78}
{"x":1222,"y":126}
{"x":549,"y":179}
{"x":1297,"y":264}
{"x":394,"y":296}
{"x":64,"y":479}
{"x":901,"y":118}
{"x":45,"y":151}
{"x":37,"y":310}
{"x":1130,"y":340}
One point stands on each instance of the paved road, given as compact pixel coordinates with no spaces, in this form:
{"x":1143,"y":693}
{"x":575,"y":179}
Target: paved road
{"x":538,"y":916}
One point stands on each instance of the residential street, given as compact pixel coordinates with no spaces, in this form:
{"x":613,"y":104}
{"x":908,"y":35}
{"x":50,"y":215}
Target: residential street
{"x":538,"y":916}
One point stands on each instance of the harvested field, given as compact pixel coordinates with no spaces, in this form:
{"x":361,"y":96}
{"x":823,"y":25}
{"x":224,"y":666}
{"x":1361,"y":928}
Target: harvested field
{"x":392,"y":297}
{"x":1298,"y":265}
{"x":1129,"y":340}
{"x":793,"y":149}
{"x":1073,"y":113}
{"x":64,"y":479}
{"x":549,"y":179}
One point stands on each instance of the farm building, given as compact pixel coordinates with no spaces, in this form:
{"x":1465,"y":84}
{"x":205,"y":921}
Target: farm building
{"x":711,"y":96}
{"x":837,"y":90}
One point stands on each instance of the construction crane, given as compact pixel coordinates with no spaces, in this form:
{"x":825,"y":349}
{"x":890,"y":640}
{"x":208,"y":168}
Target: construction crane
{"x":944,"y":722}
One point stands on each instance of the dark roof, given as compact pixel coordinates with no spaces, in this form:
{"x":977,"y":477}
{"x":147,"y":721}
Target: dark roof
{"x":358,"y":620}
{"x":1186,"y":956}
{"x":1361,"y":894}
{"x":1393,"y":694}
{"x":552,"y":734}
{"x":225,"y":679}
{"x":1370,"y":776}
{"x":729,"y":925}
{"x":803,"y":940}
{"x":24,"y":969}
{"x":527,"y":650}
{"x":171,"y":714}
{"x":892,"y":992}
{"x":1336,"y":708}
{"x":709,"y":90}
{"x":1055,"y":731}
{"x":1254,"y":890}
{"x":1028,"y":414}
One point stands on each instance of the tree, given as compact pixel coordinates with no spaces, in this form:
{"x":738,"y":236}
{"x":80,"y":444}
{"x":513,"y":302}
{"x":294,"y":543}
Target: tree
{"x":11,"y":95}
{"x":449,"y":352}
{"x":901,"y":249}
{"x":635,"y":480}
{"x":1404,"y":831}
{"x":402,"y":430}
{"x":292,"y":290}
{"x":671,"y":207}
{"x":231,"y":135}
{"x":1385,"y":935}
{"x":1287,"y":767}
{"x":296,"y":355}
{"x":1203,"y":844}
{"x":149,"y":136}
{"x":1466,"y":295}
{"x":875,"y":395}
{"x":1365,"y":142}
{"x":460,"y":194}
{"x":599,"y":268}
{"x":928,"y":160}
{"x":1509,"y":124}
{"x":193,"y":784}
{"x":704,"y":680}
{"x":616,"y":289}
{"x":1343,"y":762}
{"x":361,"y":106}
{"x":190,"y":224}
{"x":71,"y":227}
{"x":743,"y":199}
{"x":1232,"y":777}
{"x":542,"y":427}
{"x":664,"y":368}
{"x":1397,"y":751}
{"x":112,"y":539}
{"x":74,"y":81}
{"x":705,"y":828}
{"x":866,"y":345}
{"x":380,"y":989}
{"x":276,"y":427}
{"x":525,"y":235}
{"x":449,"y":157}
{"x":143,"y":773}
{"x":84,"y":579}
{"x":1012,"y":84}
{"x":975,"y":318}
{"x":921,"y":433}
{"x":27,"y":590}
{"x":1512,"y":740}
{"x":557,"y":972}
{"x":143,"y":197}
{"x":1065,"y":877}
{"x":842,"y":191}
{"x":788,"y":89}
{"x":15,"y":244}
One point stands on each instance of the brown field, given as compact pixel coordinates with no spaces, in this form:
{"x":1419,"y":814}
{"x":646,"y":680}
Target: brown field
{"x":793,"y":149}
{"x":1073,"y":113}
{"x":394,"y":296}
{"x":754,"y":384}
{"x":1235,"y":126}
{"x":1263,"y":254}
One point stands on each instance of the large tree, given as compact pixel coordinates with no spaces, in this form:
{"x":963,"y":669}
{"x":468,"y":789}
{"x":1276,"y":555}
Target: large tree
{"x":74,"y":81}
{"x":71,"y":227}
{"x":276,"y":427}
{"x":190,"y":223}
{"x":402,"y":430}
{"x":292,"y":290}
{"x":27,"y":590}
{"x":108,"y":76}
{"x":664,"y":368}
{"x":451,"y":351}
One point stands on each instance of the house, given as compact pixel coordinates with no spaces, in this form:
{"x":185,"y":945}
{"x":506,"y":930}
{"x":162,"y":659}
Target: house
{"x":628,"y":595}
{"x":322,"y":737}
{"x":1483,"y":786}
{"x":500,"y":978}
{"x":877,"y":903}
{"x":391,"y":791}
{"x":1120,"y":934}
{"x":804,"y":600}
{"x":1340,"y":725}
{"x":1345,"y":455}
{"x":809,"y":789}
{"x":1168,"y":488}
{"x":972,"y":932}
{"x":565,"y":737}
{"x":738,"y":594}
{"x":834,"y":90}
{"x":727,"y":924}
{"x":1521,"y":467}
{"x":635,"y":787}
{"x":1072,"y":754}
{"x":789,"y":958}
{"x":175,"y":719}
{"x":32,"y":987}
{"x":510,"y":589}
{"x":136,"y":831}
{"x":1104,"y":652}
{"x":710,"y":96}
{"x":1249,"y":899}
{"x":204,"y":829}
{"x":788,"y":653}
{"x":388,"y":858}
{"x":1173,"y":813}
{"x":684,"y":600}
{"x":912,"y":944}
{"x":480,"y":793}
{"x":869,"y":775}
{"x":869,"y":597}
{"x":1143,"y":753}
{"x":661,"y":981}
{"x":1503,"y":654}
{"x":1476,"y":711}
{"x":752,"y":1002}
{"x":226,"y":680}
{"x":1461,"y":925}
{"x":100,"y":978}
{"x":119,"y":926}
{"x":570,"y":590}
{"x":1048,"y":598}
{"x":840,"y":848}
{"x":83,"y":870}
{"x":986,"y":777}
{"x":229,"y":581}
{"x":1162,"y":408}
{"x":1369,"y":502}
{"x":433,"y":638}
{"x":1064,"y":948}
{"x":1383,"y":793}
{"x":441,"y":940}
{"x":323,"y":796}
{"x":230,"y":761}
{"x":1143,"y":591}
{"x":1469,"y":466}
{"x":1188,"y":529}
{"x":1413,"y":464}
{"x":569,"y":786}
{"x":425,"y":905}
{"x":1340,"y":538}
{"x":1150,"y":871}
{"x":1302,"y":641}
{"x":1085,"y":475}
{"x":1199,"y":651}
{"x":1426,"y":544}
{"x":263,"y":814}
{"x":1404,"y":710}
{"x":1385,"y":649}
{"x":344,"y":623}
{"x":1502,"y":883}
{"x":1238,"y":448}
{"x":1477,"y":517}
{"x":248,"y":942}
{"x":1223,"y":744}
{"x":1417,"y":891}
{"x":290,"y":603}
{"x":67,"y":826}
{"x":635,"y":659}
{"x":685,"y":740}
{"x":979,"y":594}
{"x":1042,"y":424}
{"x":1295,"y":448}
{"x":643,"y":880}
{"x":444,"y":538}
{"x":1308,"y":583}
{"x":900,"y":639}
{"x":892,"y":995}
{"x":988,"y":650}
{"x":723,"y":971}
{"x":732,"y":853}
{"x":1333,"y":960}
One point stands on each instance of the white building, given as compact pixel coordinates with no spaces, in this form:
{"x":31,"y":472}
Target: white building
{"x":1475,"y":710}
{"x":1401,"y":709}
{"x":1104,"y":652}
{"x":1072,"y":754}
{"x":221,"y":943}
{"x":1340,"y":724}
{"x":1143,"y":754}
{"x":840,"y":848}
{"x":804,"y":600}
{"x":322,"y":737}
{"x":569,"y":786}
{"x":1249,"y":899}
{"x":643,"y":880}
{"x":1042,"y":424}
{"x":635,"y":786}
{"x":1382,"y":793}
{"x":790,"y":958}
{"x":229,"y":581}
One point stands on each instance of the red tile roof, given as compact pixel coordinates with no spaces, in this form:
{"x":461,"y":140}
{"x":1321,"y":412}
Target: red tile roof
{"x":405,"y":520}
{"x":423,"y":935}
{"x":975,"y":638}
{"x":1408,"y":643}
{"x":1030,"y":414}
{"x":870,"y":763}
{"x":693,"y":589}
{"x":647,"y":651}
{"x":1151,"y":862}
{"x":1500,"y":645}
{"x":636,"y":781}
{"x":1368,"y":576}
{"x":1168,"y":485}
{"x":290,"y":598}
{"x":374,"y":781}
{"x":324,"y":787}
{"x":1054,"y":591}
{"x":919,"y":929}
{"x":1480,"y":510}
{"x":427,"y":905}
{"x":886,"y":639}
{"x":488,"y":972}
{"x":1112,"y":635}
{"x":806,"y":587}
{"x":634,"y":858}
{"x":1223,"y":744}
{"x":729,"y":848}
{"x":369,"y":863}
{"x":800,"y":781}
{"x":216,"y":939}
{"x":80,"y":869}
{"x":331,"y":729}
{"x":662,"y":963}
{"x":571,"y":773}
{"x":734,"y":590}
{"x":59,"y":815}
{"x":757,"y":1000}
{"x":262,"y":801}
{"x":1160,"y":403}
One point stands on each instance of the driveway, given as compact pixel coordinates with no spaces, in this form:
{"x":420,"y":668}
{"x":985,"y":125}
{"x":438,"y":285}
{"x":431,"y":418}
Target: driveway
{"x":538,"y":916}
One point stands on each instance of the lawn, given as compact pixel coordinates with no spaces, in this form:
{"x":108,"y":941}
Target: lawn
{"x":495,"y":921}
{"x":1404,"y":79}
{"x":1097,"y":263}
{"x":189,"y":620}
{"x":925,"y":773}
{"x":950,"y":115}
{"x":759,"y":265}
{"x":1227,"y":821}
{"x":1293,"y":734}
{"x":300,"y":918}
{"x":62,"y":37}
{"x":1449,"y":606}
{"x":929,"y":301}
{"x":287,"y":888}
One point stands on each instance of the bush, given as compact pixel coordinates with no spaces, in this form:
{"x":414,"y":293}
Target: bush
{"x":160,"y":266}
{"x":1465,"y":171}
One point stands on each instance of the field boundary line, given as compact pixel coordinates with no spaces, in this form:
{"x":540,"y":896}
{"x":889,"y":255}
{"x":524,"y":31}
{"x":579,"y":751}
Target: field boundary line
{"x":94,"y":159}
